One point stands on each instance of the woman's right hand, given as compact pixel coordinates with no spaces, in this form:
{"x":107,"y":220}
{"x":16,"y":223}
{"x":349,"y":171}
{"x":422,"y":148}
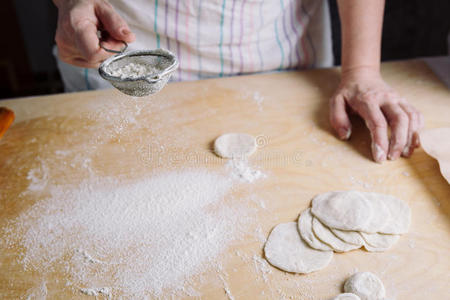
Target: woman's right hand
{"x":76,"y":34}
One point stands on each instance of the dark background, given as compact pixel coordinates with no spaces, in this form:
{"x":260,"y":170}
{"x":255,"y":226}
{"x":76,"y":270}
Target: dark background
{"x":412,"y":28}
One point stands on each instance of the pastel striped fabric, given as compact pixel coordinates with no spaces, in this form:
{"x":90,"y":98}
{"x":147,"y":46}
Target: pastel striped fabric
{"x":216,"y":38}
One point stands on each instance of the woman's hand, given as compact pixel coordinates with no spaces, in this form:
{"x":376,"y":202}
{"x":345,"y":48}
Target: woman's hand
{"x":365,"y":92}
{"x":76,"y":34}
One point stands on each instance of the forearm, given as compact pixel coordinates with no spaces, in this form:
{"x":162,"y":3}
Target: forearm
{"x":361,"y":26}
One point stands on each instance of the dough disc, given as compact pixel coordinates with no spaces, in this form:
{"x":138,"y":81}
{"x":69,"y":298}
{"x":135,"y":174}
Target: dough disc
{"x":348,"y":210}
{"x":286,"y":250}
{"x":366,"y":285}
{"x":400,"y":215}
{"x":306,"y":231}
{"x":378,"y":242}
{"x":346,"y":296}
{"x":326,"y":236}
{"x":380,"y":213}
{"x":235,"y":145}
{"x":350,"y":237}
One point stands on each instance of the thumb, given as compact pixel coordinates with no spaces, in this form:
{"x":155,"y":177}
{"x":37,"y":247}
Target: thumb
{"x":113,"y":23}
{"x":339,"y":119}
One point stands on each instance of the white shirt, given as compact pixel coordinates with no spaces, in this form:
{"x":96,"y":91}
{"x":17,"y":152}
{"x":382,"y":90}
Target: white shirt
{"x":215,"y":38}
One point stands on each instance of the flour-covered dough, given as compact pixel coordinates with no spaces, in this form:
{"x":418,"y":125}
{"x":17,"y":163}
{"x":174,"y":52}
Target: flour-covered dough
{"x":235,"y":145}
{"x":306,"y":231}
{"x":366,"y":285}
{"x":380,"y":212}
{"x":346,"y":296}
{"x":286,"y":250}
{"x":400,"y":215}
{"x":326,"y":236}
{"x":378,"y":242}
{"x":351,"y":237}
{"x":346,"y":210}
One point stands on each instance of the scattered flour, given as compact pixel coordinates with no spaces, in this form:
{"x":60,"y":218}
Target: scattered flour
{"x":258,"y":98}
{"x":38,"y":293}
{"x":96,"y":292}
{"x":38,"y":177}
{"x":262,"y":266}
{"x":152,"y":235}
{"x":226,"y":288}
{"x":241,"y":170}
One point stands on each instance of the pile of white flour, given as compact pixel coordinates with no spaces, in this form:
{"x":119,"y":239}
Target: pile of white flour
{"x":134,"y":239}
{"x":133,"y":71}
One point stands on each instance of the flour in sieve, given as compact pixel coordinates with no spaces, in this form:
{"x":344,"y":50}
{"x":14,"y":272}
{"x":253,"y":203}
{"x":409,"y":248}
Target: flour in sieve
{"x":133,"y":71}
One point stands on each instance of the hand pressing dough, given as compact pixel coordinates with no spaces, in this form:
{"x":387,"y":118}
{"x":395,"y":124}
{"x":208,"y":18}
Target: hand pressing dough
{"x":286,"y":250}
{"x":347,"y":210}
{"x":378,"y":242}
{"x":366,"y":285}
{"x":400,"y":216}
{"x":235,"y":145}
{"x":326,"y":236}
{"x":351,"y":237}
{"x":346,"y":296}
{"x":306,"y":231}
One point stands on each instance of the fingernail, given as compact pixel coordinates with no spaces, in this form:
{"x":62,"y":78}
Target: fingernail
{"x":345,"y":134}
{"x":405,"y":151}
{"x":125,"y":31}
{"x":394,"y":155}
{"x":378,"y":153}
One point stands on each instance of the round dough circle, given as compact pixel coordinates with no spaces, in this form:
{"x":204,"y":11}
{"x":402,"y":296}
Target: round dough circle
{"x":306,"y":231}
{"x":346,"y":296}
{"x":235,"y":145}
{"x":348,"y":210}
{"x":366,"y":285}
{"x":400,"y":215}
{"x":286,"y":250}
{"x":350,"y":237}
{"x":380,"y":213}
{"x":325,"y":235}
{"x":379,"y":242}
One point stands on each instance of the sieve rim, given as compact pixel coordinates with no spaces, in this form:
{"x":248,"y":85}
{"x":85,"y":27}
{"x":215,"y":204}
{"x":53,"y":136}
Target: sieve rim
{"x":149,"y":79}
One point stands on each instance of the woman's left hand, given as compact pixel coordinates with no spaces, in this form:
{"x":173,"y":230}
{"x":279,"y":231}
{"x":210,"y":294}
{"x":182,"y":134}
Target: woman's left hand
{"x":366,"y":93}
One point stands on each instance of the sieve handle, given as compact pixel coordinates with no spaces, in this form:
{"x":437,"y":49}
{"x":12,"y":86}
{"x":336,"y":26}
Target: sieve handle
{"x":102,"y":35}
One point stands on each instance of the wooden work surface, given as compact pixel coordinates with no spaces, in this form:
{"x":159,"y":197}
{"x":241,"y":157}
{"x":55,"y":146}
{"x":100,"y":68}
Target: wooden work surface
{"x":298,"y":152}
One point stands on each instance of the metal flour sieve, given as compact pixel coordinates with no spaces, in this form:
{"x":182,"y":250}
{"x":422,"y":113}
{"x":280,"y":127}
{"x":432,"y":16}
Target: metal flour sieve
{"x":160,"y":62}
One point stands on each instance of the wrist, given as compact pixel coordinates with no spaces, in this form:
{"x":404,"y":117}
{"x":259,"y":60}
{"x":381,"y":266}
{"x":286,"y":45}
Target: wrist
{"x":360,"y":71}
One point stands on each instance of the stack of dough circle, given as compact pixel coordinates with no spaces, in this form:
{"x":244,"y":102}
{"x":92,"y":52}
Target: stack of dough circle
{"x":348,"y":220}
{"x":340,"y":222}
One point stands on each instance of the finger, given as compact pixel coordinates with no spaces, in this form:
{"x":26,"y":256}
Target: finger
{"x":377,"y":125}
{"x":413,"y":127}
{"x":339,"y":119}
{"x":80,"y":62}
{"x":71,"y":56}
{"x":399,"y":122}
{"x":88,"y":43}
{"x":114,"y":24}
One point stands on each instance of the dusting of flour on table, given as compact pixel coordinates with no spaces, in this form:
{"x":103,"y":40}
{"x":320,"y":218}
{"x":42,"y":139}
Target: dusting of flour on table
{"x":242,"y":170}
{"x":96,"y":292}
{"x":143,"y":238}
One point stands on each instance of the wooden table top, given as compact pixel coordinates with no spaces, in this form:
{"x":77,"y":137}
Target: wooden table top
{"x":288,"y":112}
